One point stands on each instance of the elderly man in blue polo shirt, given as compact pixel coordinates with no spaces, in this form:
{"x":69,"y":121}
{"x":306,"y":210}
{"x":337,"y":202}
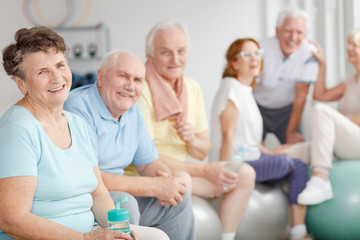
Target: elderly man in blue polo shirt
{"x":289,"y":69}
{"x":120,"y":138}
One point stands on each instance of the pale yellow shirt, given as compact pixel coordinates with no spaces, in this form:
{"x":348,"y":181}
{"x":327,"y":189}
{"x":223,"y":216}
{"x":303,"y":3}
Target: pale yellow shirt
{"x":165,"y":137}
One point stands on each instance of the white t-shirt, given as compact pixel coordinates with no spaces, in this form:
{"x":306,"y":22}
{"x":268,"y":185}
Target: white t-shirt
{"x":249,"y":125}
{"x":276,"y":88}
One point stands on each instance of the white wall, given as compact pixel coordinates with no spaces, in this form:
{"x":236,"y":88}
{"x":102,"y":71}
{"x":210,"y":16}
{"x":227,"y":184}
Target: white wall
{"x":212,"y":26}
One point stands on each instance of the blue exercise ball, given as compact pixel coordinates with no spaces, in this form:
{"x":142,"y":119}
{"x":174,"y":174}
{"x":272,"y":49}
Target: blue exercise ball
{"x":338,"y":218}
{"x":207,"y":222}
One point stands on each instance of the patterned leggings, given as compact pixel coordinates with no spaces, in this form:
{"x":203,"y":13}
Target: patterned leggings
{"x":275,"y":168}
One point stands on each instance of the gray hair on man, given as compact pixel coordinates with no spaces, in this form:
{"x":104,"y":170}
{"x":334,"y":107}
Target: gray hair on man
{"x":292,"y":12}
{"x":109,"y":60}
{"x":164,"y":25}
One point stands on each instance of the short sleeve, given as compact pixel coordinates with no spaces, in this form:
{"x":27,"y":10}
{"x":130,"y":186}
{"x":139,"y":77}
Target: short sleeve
{"x":309,"y":72}
{"x":232,"y":96}
{"x":147,"y":109}
{"x":146,"y":151}
{"x":201,"y":124}
{"x":18,"y":155}
{"x":230,"y":92}
{"x":78,"y":109}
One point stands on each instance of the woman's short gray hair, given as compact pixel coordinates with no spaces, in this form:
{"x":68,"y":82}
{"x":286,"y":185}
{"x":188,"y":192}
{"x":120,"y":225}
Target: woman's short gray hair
{"x":292,"y":12}
{"x":149,"y":47}
{"x":354,"y":35}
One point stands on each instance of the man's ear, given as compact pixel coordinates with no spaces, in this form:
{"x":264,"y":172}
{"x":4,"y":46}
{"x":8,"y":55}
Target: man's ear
{"x":149,"y":58}
{"x":20,"y":84}
{"x":100,"y":76}
{"x":277,"y":31}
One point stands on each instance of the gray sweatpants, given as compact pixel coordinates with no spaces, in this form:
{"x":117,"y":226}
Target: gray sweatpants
{"x":177,"y":222}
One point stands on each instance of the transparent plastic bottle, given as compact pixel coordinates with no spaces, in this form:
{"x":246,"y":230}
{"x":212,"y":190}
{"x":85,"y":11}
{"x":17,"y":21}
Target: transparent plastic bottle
{"x":236,"y":159}
{"x":118,"y":218}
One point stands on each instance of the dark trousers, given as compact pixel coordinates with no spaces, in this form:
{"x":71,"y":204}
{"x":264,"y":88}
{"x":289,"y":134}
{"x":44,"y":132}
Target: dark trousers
{"x":276,"y":121}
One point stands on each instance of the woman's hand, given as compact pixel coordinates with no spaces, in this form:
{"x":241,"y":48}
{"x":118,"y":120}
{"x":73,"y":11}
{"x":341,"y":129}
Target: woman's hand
{"x":319,"y":54}
{"x":279,"y":150}
{"x":223,"y":178}
{"x":104,"y":234}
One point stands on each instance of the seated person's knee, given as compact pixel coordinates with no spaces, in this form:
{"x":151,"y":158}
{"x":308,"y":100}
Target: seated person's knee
{"x":247,"y":173}
{"x":185,"y":176}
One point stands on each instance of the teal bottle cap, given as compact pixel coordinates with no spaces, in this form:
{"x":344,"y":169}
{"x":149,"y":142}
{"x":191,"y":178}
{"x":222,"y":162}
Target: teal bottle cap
{"x":242,"y":148}
{"x":119,"y":214}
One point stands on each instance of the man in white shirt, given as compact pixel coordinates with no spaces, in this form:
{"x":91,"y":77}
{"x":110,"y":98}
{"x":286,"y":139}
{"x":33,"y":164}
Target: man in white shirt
{"x":289,"y":69}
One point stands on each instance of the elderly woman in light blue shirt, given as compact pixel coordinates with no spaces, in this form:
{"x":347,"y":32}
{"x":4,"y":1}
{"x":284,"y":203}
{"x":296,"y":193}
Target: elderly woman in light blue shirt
{"x":50,"y":184}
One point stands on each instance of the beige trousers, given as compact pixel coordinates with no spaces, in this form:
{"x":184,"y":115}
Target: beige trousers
{"x":331,"y":134}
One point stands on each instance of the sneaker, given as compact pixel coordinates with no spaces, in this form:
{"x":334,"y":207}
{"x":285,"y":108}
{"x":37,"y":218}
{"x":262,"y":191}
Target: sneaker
{"x":316,"y":191}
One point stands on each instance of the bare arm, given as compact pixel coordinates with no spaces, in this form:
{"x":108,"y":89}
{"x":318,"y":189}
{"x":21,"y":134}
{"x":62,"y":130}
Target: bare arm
{"x":263,"y":149}
{"x":150,"y":169}
{"x":17,"y":194}
{"x":102,"y":201}
{"x":213,"y":172}
{"x":159,"y":183}
{"x":297,"y":109}
{"x":356,"y":119}
{"x":18,"y":222}
{"x":228,"y":120}
{"x":201,"y":147}
{"x":321,"y":92}
{"x":198,"y":144}
{"x":194,"y":169}
{"x":279,"y":150}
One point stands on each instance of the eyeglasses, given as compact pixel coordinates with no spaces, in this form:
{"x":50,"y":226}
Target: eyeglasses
{"x":248,"y":55}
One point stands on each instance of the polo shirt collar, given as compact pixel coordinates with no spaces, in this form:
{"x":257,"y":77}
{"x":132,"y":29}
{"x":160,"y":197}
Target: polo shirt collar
{"x":104,"y":112}
{"x":293,"y":55}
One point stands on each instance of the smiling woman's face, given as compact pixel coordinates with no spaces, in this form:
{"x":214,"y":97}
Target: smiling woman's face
{"x":248,"y":65}
{"x":48,"y":78}
{"x":353,"y":51}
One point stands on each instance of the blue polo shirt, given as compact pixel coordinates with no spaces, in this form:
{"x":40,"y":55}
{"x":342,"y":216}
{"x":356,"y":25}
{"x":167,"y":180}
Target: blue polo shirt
{"x":116,"y":144}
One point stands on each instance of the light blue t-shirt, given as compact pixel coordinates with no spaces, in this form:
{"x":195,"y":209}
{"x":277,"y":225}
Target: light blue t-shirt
{"x":116,"y":144}
{"x":65,"y":177}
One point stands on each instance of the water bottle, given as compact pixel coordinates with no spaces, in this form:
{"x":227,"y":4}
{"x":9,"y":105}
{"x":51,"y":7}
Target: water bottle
{"x":236,"y":159}
{"x":118,"y":218}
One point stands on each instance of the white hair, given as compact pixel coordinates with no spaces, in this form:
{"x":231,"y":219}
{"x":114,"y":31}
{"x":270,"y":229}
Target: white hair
{"x":149,"y":47}
{"x":109,"y":60}
{"x":292,"y":12}
{"x":354,"y":35}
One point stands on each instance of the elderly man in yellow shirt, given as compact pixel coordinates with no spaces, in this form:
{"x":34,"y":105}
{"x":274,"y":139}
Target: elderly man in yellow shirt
{"x":173,"y":110}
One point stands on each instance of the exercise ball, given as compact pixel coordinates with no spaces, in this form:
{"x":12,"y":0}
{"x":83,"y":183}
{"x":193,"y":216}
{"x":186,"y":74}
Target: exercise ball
{"x":339,"y":217}
{"x":207,"y":222}
{"x":267,"y":215}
